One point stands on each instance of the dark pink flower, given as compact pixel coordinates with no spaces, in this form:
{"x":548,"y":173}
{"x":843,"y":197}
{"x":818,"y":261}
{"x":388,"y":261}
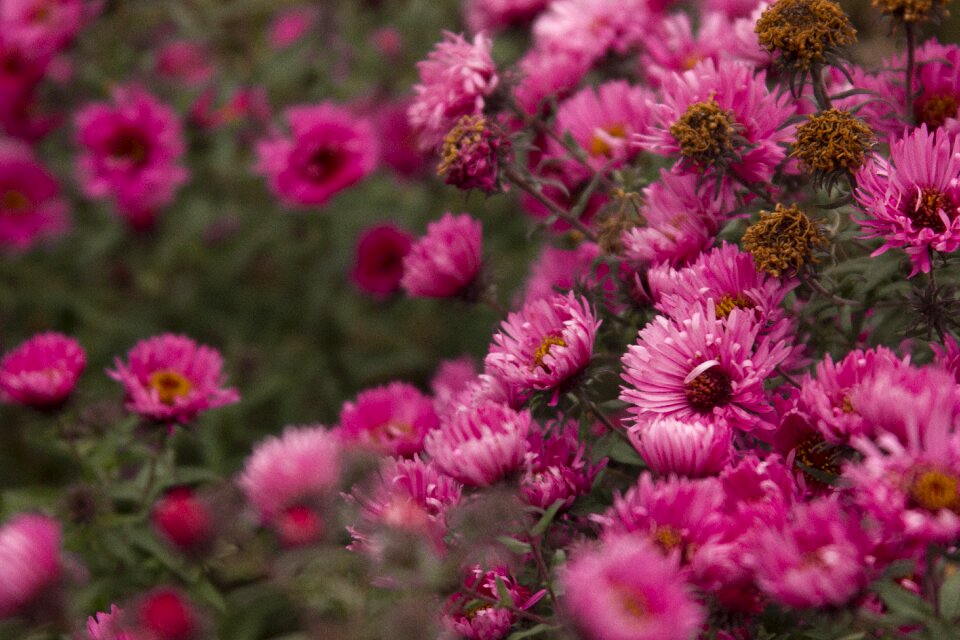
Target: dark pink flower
{"x":399,"y":144}
{"x":447,"y":260}
{"x":44,"y":26}
{"x":186,"y":62}
{"x":486,"y":621}
{"x":495,"y":15}
{"x":378,"y":265}
{"x":556,"y":466}
{"x":557,"y":270}
{"x":31,"y":207}
{"x":43,"y":371}
{"x":391,"y":420}
{"x":591,"y":29}
{"x":30,"y":562}
{"x":166,"y":614}
{"x":183,"y":519}
{"x":691,"y":447}
{"x":290,"y":25}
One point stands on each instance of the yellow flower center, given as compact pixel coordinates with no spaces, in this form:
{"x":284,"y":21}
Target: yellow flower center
{"x":600,"y":142}
{"x":544,"y":349}
{"x":934,"y":489}
{"x":667,"y":538}
{"x":730,"y":302}
{"x":169,"y":385}
{"x":631,"y":601}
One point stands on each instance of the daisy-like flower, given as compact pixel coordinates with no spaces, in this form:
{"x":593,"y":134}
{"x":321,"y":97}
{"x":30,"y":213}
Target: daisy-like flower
{"x":691,"y":448}
{"x":912,"y":200}
{"x":474,"y":620}
{"x":494,"y":15}
{"x":590,"y":29}
{"x":131,"y":153}
{"x":702,"y":367}
{"x":819,"y":558}
{"x":45,"y":26}
{"x":170,"y":378}
{"x":30,"y":563}
{"x":545,"y":344}
{"x":480,"y":445}
{"x":447,"y":260}
{"x":455,"y":80}
{"x":107,"y":626}
{"x":31,"y":207}
{"x":43,"y":371}
{"x":680,"y":50}
{"x":556,"y":467}
{"x":329,"y":150}
{"x":624,"y":589}
{"x":721,"y":116}
{"x":391,"y":420}
{"x":378,"y":265}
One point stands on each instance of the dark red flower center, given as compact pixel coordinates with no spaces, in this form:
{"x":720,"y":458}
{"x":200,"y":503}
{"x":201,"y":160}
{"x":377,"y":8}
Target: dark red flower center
{"x":710,"y":389}
{"x":129,"y":146}
{"x":323,"y":163}
{"x":924,"y":211}
{"x":14,"y":201}
{"x":933,"y":110}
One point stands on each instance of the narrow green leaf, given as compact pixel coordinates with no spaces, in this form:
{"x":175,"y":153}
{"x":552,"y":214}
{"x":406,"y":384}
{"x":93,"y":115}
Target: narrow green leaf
{"x":503,"y":593}
{"x":541,"y":527}
{"x":950,"y":597}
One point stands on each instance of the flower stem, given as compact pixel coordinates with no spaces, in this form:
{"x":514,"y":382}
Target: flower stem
{"x":534,"y":190}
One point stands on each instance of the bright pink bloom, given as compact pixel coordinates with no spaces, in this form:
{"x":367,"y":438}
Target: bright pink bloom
{"x":302,"y":465}
{"x":183,"y":519}
{"x":494,"y":15}
{"x":447,"y":260}
{"x":399,"y":144}
{"x":330,"y":149}
{"x":912,"y":200}
{"x":43,"y":371}
{"x":558,"y":270}
{"x":450,"y":379}
{"x":31,"y":207}
{"x":131,"y":153}
{"x":290,"y":25}
{"x":591,"y":29}
{"x":948,"y":356}
{"x":679,"y":50}
{"x":484,"y":388}
{"x":45,"y":26}
{"x":185,"y":61}
{"x":391,"y":420}
{"x":556,"y":466}
{"x":702,"y":367}
{"x":378,"y":265}
{"x":455,"y":80}
{"x":692,"y":448}
{"x":107,"y":626}
{"x":297,"y":526}
{"x":30,"y":563}
{"x":480,"y":445}
{"x":548,"y":74}
{"x":545,"y":344}
{"x":170,"y":378}
{"x":759,"y":490}
{"x":486,"y":621}
{"x":624,"y":589}
{"x":166,"y":614}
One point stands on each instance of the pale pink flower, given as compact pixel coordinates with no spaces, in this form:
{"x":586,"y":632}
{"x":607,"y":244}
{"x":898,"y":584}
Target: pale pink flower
{"x":556,"y":466}
{"x":391,"y":420}
{"x":290,"y":25}
{"x":170,"y":378}
{"x":30,"y":562}
{"x":43,"y":371}
{"x":31,"y":206}
{"x":679,"y":49}
{"x":592,"y":28}
{"x":545,"y":74}
{"x":450,"y":379}
{"x":45,"y":26}
{"x":447,"y":260}
{"x":107,"y":626}
{"x":486,"y":621}
{"x":186,"y":62}
{"x":692,"y":448}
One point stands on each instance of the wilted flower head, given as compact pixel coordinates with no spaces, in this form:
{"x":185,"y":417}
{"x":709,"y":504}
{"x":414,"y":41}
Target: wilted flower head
{"x":447,"y":260}
{"x":378,"y":266}
{"x":804,"y":33}
{"x":42,"y":371}
{"x":31,"y":207}
{"x":472,"y":153}
{"x":831,"y":144}
{"x":782,"y":241}
{"x":391,"y":420}
{"x":30,"y":563}
{"x":472,"y":619}
{"x":170,"y":378}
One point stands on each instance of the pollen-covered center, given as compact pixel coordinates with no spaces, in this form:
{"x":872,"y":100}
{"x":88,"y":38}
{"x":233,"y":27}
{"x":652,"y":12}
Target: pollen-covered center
{"x":130,"y":146}
{"x":710,"y":389}
{"x":170,"y":385}
{"x":552,"y":340}
{"x":705,"y":132}
{"x":934,"y":489}
{"x":600,"y":142}
{"x":631,"y":601}
{"x":323,"y":163}
{"x":14,"y":201}
{"x":729,"y":302}
{"x":924,"y":211}
{"x":667,"y":538}
{"x":935,"y":109}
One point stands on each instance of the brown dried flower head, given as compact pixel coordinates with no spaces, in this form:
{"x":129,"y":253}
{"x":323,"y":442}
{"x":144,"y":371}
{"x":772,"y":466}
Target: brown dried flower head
{"x":804,"y":32}
{"x":706,"y":133}
{"x":832,"y":143}
{"x":912,"y":11}
{"x":782,"y":241}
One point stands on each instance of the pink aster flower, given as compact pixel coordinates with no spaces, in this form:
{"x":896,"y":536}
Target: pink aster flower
{"x":495,"y":15}
{"x":378,"y":265}
{"x":592,"y":28}
{"x":486,"y":621}
{"x":31,"y":207}
{"x":557,"y":270}
{"x":762,"y":490}
{"x":679,"y":49}
{"x":391,"y":420}
{"x":548,"y":74}
{"x":912,"y":200}
{"x":450,"y":379}
{"x":819,"y":558}
{"x":545,"y":344}
{"x":624,"y":589}
{"x":754,"y":144}
{"x":131,"y":153}
{"x":691,"y":448}
{"x":455,"y":80}
{"x":330,"y":149}
{"x":447,"y":260}
{"x":45,"y":26}
{"x":107,"y":626}
{"x":186,"y":62}
{"x":290,"y":25}
{"x":43,"y":371}
{"x":702,"y":367}
{"x":184,"y":520}
{"x":556,"y":466}
{"x":480,"y":445}
{"x":301,"y":466}
{"x":30,"y":563}
{"x":948,"y":356}
{"x":399,"y":145}
{"x":170,"y":378}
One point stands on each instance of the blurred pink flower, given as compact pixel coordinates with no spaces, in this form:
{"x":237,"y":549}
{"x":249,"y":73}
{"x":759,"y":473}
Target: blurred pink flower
{"x":378,"y":261}
{"x":692,"y":447}
{"x":557,"y":270}
{"x":108,"y":626}
{"x":30,"y":562}
{"x":186,"y":62}
{"x":31,"y":206}
{"x":450,"y":379}
{"x":391,"y":420}
{"x":171,"y":379}
{"x":43,"y":371}
{"x":592,"y":28}
{"x":166,"y":613}
{"x":184,"y":520}
{"x":399,"y":145}
{"x":44,"y":26}
{"x":289,"y":25}
{"x":495,"y":15}
{"x":556,"y":466}
{"x":447,"y":260}
{"x":486,"y":621}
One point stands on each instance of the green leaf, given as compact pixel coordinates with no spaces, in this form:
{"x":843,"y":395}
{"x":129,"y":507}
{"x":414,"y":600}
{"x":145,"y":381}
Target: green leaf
{"x":504,"y":594}
{"x":541,"y":628}
{"x":541,"y":527}
{"x":514,"y":545}
{"x":903,"y":602}
{"x":950,"y":597}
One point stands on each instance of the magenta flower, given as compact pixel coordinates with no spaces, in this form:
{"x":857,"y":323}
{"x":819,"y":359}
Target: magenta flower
{"x":548,"y":74}
{"x":702,"y":367}
{"x":624,"y":589}
{"x":330,"y":149}
{"x":692,"y":448}
{"x":31,"y":207}
{"x":172,"y":379}
{"x":590,"y":29}
{"x":455,"y":80}
{"x":184,"y":520}
{"x":557,"y":270}
{"x":186,"y":62}
{"x":679,"y":49}
{"x":44,"y":26}
{"x":545,"y":344}
{"x":42,"y":372}
{"x":912,"y":200}
{"x":450,"y":379}
{"x":166,"y":613}
{"x":447,"y":260}
{"x":399,"y":146}
{"x":495,"y":15}
{"x":556,"y":467}
{"x":131,"y":153}
{"x":485,"y":621}
{"x":948,"y":356}
{"x":391,"y":420}
{"x":378,"y":265}
{"x":107,"y":626}
{"x":480,"y":445}
{"x":30,"y":563}
{"x":290,"y":25}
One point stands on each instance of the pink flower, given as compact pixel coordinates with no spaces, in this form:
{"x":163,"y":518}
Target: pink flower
{"x":399,"y":144}
{"x":545,"y":344}
{"x":31,"y":207}
{"x":447,"y":260}
{"x":185,"y":61}
{"x":679,"y":49}
{"x":495,"y":15}
{"x":820,"y":558}
{"x":948,"y":356}
{"x":131,"y":153}
{"x":450,"y":379}
{"x":486,"y":621}
{"x":691,"y":448}
{"x":548,"y":74}
{"x":455,"y":80}
{"x":592,"y":28}
{"x":912,"y":200}
{"x":290,"y":25}
{"x":702,"y":367}
{"x":183,"y":519}
{"x":624,"y":589}
{"x":43,"y":371}
{"x":107,"y":626}
{"x":166,"y":614}
{"x":557,"y":270}
{"x":378,"y":265}
{"x":391,"y":420}
{"x":556,"y":466}
{"x":331,"y":149}
{"x":480,"y":445}
{"x":302,"y":465}
{"x":45,"y":26}
{"x":30,"y":564}
{"x":170,"y":378}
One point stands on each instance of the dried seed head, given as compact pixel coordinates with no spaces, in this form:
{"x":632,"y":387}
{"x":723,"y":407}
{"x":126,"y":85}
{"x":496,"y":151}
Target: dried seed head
{"x":804,"y":32}
{"x":832,"y":143}
{"x":783,"y":240}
